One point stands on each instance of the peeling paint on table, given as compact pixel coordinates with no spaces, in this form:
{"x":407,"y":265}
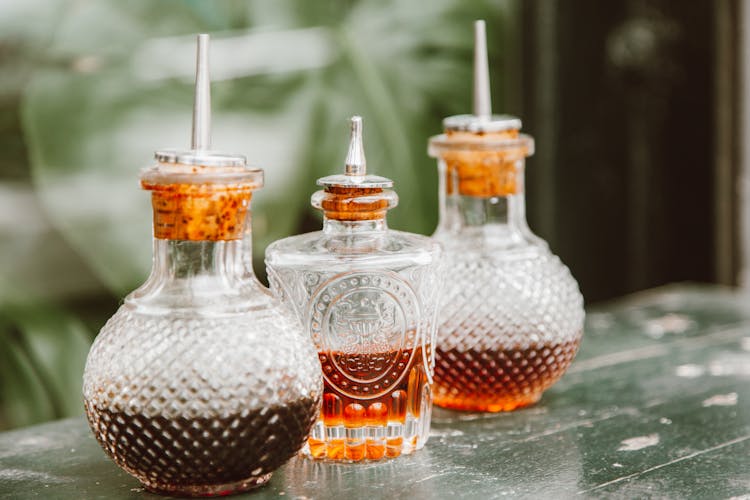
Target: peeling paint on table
{"x":656,"y":404}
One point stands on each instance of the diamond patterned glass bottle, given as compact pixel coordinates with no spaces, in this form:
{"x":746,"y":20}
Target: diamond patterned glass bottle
{"x":202,"y":383}
{"x":512,"y":316}
{"x":368,"y":296}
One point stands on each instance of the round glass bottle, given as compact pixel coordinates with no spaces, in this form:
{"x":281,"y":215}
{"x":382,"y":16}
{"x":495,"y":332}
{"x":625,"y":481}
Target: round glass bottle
{"x":512,"y":316}
{"x":368,"y":297}
{"x":202,"y":383}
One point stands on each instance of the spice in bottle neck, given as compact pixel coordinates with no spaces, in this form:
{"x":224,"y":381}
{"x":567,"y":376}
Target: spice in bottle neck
{"x":200,"y":212}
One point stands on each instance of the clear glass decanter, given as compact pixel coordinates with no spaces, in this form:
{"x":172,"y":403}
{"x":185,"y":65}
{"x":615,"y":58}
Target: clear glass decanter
{"x":203,"y":382}
{"x":368,"y":297}
{"x":511,"y":317}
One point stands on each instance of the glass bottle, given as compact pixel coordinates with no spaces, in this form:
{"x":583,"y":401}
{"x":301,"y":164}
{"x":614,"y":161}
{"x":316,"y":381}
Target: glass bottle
{"x":512,"y":316}
{"x":202,"y":383}
{"x":368,"y":297}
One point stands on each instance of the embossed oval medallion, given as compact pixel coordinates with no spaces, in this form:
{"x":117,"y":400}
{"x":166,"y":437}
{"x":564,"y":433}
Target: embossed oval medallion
{"x":365,"y":328}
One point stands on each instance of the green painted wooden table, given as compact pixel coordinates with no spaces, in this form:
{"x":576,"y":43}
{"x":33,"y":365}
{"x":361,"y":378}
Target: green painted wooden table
{"x":656,"y":404}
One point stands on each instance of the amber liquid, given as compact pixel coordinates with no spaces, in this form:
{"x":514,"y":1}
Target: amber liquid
{"x":204,"y":456}
{"x":353,"y":428}
{"x":499,"y":380}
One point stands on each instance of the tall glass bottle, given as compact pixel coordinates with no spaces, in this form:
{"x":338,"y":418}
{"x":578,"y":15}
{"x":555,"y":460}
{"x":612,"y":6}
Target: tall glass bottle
{"x":512,"y":316}
{"x":368,"y":297}
{"x":202,"y":383}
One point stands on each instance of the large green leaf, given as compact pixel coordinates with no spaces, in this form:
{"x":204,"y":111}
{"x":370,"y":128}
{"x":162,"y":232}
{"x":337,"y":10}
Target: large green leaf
{"x":121,"y":88}
{"x":57,"y":344}
{"x":23,"y":397}
{"x":41,"y":363}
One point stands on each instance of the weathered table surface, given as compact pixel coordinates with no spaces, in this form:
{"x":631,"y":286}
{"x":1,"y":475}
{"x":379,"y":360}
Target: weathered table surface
{"x":657,"y":403}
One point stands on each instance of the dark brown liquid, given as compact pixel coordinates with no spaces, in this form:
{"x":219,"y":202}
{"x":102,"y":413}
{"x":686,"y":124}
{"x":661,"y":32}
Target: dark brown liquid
{"x":198,"y":455}
{"x":341,"y":406}
{"x":499,"y":380}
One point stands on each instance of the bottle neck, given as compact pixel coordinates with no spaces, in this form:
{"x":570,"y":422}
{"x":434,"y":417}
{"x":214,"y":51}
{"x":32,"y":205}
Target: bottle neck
{"x":199,"y":277}
{"x":340,"y":227}
{"x":475,"y":211}
{"x":202,"y":261}
{"x":498,"y":215}
{"x":186,"y":260}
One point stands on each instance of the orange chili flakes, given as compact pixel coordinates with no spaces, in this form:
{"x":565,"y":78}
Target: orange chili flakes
{"x":352,"y":204}
{"x":213,"y":212}
{"x":482,"y":172}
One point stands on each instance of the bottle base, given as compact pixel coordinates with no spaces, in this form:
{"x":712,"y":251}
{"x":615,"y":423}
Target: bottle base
{"x":345,"y":451}
{"x":487,"y":405}
{"x":208,"y":490}
{"x":502,"y":379}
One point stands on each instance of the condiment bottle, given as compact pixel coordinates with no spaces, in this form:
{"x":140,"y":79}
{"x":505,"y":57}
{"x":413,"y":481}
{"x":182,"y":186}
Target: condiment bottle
{"x":512,"y":316}
{"x":202,"y":383}
{"x":368,"y":297}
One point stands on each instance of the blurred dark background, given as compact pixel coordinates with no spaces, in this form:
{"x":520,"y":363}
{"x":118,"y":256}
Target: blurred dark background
{"x":634,"y":105}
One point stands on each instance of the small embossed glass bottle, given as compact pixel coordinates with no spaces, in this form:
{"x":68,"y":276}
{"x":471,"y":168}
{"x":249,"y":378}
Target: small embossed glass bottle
{"x":512,"y":316}
{"x":202,"y":383}
{"x":368,"y":296}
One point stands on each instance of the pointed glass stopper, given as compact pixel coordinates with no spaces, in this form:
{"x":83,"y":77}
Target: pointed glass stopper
{"x":356,"y":164}
{"x":482,"y":98}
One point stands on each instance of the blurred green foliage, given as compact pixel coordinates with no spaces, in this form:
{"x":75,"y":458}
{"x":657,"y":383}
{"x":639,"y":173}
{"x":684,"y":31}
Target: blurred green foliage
{"x":89,"y":89}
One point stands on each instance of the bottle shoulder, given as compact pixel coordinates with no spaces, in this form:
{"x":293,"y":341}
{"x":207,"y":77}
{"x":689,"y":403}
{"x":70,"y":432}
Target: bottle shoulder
{"x":526,"y":262}
{"x":134,"y":332}
{"x":367,"y":248}
{"x":490,"y":239}
{"x":203,"y":297}
{"x":526,"y":256}
{"x":530,"y":273}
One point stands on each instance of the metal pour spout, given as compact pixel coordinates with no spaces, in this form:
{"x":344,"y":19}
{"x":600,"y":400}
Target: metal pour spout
{"x":482,"y":98}
{"x":355,"y":168}
{"x":201,"y":140}
{"x":356,"y":164}
{"x":200,"y":152}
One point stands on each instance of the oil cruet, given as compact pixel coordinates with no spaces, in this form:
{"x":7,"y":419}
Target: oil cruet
{"x":512,"y":316}
{"x":202,"y":383}
{"x":368,"y":297}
